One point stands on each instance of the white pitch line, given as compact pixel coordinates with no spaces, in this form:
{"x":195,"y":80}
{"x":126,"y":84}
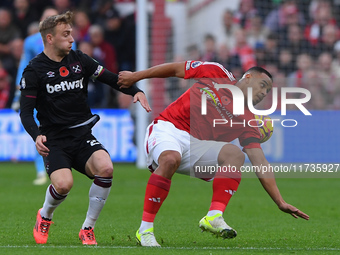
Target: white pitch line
{"x":175,"y":248}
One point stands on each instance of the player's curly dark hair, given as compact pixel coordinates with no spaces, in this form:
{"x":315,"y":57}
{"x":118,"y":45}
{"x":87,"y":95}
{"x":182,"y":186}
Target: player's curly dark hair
{"x":48,"y":25}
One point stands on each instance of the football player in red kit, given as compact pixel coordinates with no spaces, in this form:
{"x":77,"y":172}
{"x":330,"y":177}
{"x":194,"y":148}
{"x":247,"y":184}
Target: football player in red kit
{"x":184,"y":140}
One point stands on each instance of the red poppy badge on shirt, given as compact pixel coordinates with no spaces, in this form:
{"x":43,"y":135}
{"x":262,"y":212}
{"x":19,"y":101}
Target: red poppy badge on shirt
{"x":63,"y":71}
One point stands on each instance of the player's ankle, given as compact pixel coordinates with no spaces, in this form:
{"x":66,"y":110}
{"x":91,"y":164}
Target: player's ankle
{"x":145,"y":225}
{"x":214,"y":212}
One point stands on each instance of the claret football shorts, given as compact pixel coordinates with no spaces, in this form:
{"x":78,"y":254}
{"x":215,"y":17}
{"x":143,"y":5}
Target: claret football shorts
{"x":71,"y":153}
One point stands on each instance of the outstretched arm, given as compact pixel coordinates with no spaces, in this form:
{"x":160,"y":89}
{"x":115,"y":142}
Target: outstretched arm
{"x":268,"y":182}
{"x":138,"y":95}
{"x":175,"y":69}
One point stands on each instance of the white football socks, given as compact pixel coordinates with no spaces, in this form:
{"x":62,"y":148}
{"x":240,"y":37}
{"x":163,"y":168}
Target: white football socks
{"x":52,"y":200}
{"x":97,"y":199}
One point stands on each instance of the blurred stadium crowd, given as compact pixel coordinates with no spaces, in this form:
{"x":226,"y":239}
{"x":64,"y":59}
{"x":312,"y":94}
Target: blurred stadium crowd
{"x":297,"y":41}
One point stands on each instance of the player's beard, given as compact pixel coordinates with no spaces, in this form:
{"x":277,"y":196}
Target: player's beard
{"x":257,"y":100}
{"x":63,"y":52}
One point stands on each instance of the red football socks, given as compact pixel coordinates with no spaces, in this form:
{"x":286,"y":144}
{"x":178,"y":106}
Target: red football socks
{"x":156,"y":192}
{"x":223,"y":189}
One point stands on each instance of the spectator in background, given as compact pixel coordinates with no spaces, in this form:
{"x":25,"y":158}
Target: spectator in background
{"x":231,"y":62}
{"x":256,"y":31}
{"x":295,"y":42}
{"x":278,"y":18}
{"x":292,"y":19}
{"x":263,"y":7}
{"x":336,"y":61}
{"x":4,"y":89}
{"x":271,"y":49}
{"x":260,"y":54}
{"x":230,"y":29}
{"x":121,"y":35}
{"x":303,"y":8}
{"x":336,"y":69}
{"x":193,"y":52}
{"x":244,"y":51}
{"x":81,"y":27}
{"x":11,"y":63}
{"x":63,"y":5}
{"x":245,"y":13}
{"x":104,"y":53}
{"x":8,"y":32}
{"x":120,"y":30}
{"x":102,"y":50}
{"x":336,"y":9}
{"x":313,"y":84}
{"x":286,"y":65}
{"x":128,"y":53}
{"x":329,"y":80}
{"x":209,"y":51}
{"x":298,"y":79}
{"x":24,"y":15}
{"x":98,"y":10}
{"x":114,"y":33}
{"x":330,"y":35}
{"x":96,"y":95}
{"x":321,"y":14}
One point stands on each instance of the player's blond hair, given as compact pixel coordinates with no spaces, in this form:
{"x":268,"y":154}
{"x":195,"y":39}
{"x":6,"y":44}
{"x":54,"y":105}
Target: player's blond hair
{"x":48,"y":25}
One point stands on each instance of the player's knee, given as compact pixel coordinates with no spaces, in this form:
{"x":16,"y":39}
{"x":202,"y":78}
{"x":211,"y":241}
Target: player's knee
{"x":106,"y":171}
{"x":231,"y":154}
{"x":236,"y":153}
{"x":63,"y":186}
{"x":170,"y":160}
{"x":239,"y":156}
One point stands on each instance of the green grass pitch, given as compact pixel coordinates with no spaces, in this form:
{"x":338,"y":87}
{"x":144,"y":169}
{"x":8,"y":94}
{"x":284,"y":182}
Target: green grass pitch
{"x":261,"y":227}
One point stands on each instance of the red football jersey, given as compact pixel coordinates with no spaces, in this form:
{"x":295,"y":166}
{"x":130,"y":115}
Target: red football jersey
{"x":219,"y":124}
